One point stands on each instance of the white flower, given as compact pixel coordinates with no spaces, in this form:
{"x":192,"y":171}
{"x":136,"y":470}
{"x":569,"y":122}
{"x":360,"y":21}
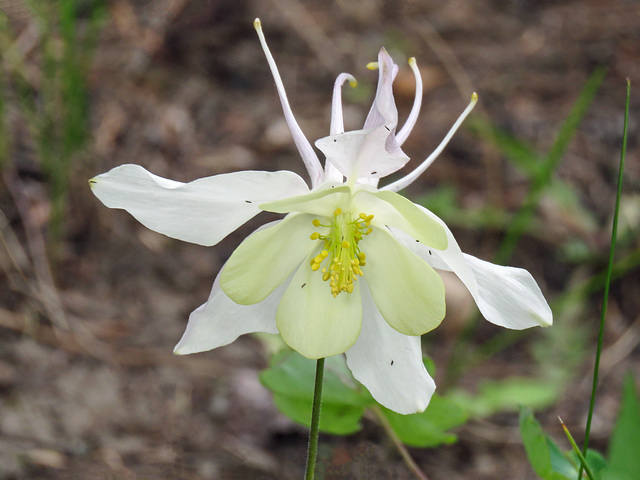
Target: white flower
{"x":350,"y":268}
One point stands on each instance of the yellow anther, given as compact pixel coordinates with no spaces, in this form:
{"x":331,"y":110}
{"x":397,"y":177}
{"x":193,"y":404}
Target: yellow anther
{"x":368,"y":231}
{"x":372,"y":65}
{"x":341,"y":250}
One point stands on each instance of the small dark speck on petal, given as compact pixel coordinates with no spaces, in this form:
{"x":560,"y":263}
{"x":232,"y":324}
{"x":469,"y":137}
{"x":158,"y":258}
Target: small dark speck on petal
{"x":417,"y":241}
{"x":335,"y":140}
{"x":392,"y":362}
{"x":92,"y":181}
{"x":303,"y":285}
{"x":248,"y":201}
{"x":430,"y":252}
{"x":388,"y":129}
{"x":373,"y":173}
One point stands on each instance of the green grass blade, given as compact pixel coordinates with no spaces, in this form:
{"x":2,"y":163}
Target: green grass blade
{"x":583,"y":462}
{"x":607,"y":282}
{"x":542,"y":176}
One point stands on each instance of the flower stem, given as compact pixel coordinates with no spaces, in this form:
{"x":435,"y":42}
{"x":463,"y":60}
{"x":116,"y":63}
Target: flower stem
{"x":607,"y":282}
{"x":404,"y":453}
{"x":312,"y":450}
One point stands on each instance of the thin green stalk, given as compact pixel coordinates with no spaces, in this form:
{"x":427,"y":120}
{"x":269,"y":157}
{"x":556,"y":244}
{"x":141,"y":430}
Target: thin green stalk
{"x":541,"y":178}
{"x":314,"y":429}
{"x":574,"y":445}
{"x":607,"y":282}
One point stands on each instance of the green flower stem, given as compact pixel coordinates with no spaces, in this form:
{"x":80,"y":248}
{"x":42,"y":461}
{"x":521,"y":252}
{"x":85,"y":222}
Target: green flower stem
{"x":404,"y":453}
{"x":314,"y":429}
{"x":607,"y":282}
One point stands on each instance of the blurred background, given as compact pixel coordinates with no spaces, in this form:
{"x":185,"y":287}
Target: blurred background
{"x":92,"y":303}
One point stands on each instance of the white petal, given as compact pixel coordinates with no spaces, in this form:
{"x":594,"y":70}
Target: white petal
{"x":384,"y":111}
{"x":337,"y":121}
{"x":371,"y":153}
{"x":389,"y":363}
{"x":506,"y":296}
{"x":331,"y":173}
{"x":406,"y":290}
{"x":220,"y":321}
{"x":266,"y":258}
{"x":203,"y":211}
{"x":312,"y":321}
{"x":509,"y":296}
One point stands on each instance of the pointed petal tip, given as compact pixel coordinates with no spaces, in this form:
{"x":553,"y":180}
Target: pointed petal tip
{"x":181,"y":349}
{"x":384,"y":57}
{"x":546,"y":323}
{"x":421,"y":405}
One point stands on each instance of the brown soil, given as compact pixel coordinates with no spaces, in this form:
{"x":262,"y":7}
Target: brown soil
{"x":89,"y":388}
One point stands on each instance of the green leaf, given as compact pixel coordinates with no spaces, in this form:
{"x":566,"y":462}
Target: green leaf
{"x":291,"y":379}
{"x":624,"y":446}
{"x":596,"y":462}
{"x":509,"y":394}
{"x":334,"y":419}
{"x":429,"y":428}
{"x":544,"y":455}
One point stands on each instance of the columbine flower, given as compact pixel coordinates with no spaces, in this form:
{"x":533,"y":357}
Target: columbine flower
{"x":350,"y":268}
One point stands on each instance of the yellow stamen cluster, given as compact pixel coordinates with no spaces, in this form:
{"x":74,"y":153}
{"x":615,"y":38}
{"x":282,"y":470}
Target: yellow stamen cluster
{"x":341,"y":244}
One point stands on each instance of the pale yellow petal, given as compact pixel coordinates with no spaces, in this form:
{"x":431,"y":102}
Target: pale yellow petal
{"x":406,"y":290}
{"x":312,"y":321}
{"x":266,"y":258}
